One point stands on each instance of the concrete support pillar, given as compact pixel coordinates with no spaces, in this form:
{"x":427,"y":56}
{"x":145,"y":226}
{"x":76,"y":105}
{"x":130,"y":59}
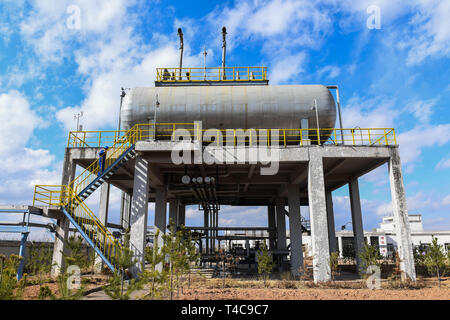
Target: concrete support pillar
{"x":61,"y":235}
{"x":358,"y":231}
{"x":400,"y":211}
{"x":125,"y":209}
{"x":161,"y":209}
{"x":103,"y":217}
{"x":271,"y":225}
{"x":62,"y":224}
{"x":330,"y":220}
{"x":173,"y":211}
{"x":318,"y":216}
{"x":181,"y":214}
{"x":340,"y":247}
{"x":281,"y":224}
{"x":139,"y":213}
{"x":295,"y":229}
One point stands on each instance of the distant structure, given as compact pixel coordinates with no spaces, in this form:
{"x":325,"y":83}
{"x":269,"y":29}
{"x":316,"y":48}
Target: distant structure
{"x":223,"y":136}
{"x":384,"y":237}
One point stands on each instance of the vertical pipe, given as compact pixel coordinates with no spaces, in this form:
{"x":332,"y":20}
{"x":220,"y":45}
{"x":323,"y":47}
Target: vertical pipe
{"x":224,"y":49}
{"x":180,"y":34}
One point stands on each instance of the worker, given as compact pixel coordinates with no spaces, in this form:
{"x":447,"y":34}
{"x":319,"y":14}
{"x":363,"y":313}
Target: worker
{"x":101,"y":160}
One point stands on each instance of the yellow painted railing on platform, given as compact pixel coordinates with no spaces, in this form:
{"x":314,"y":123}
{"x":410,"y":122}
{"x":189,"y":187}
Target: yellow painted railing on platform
{"x":281,"y":137}
{"x":64,"y":196}
{"x":211,"y":74}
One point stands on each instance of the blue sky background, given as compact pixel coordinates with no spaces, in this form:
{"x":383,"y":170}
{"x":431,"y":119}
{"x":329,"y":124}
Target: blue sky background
{"x":397,"y":76}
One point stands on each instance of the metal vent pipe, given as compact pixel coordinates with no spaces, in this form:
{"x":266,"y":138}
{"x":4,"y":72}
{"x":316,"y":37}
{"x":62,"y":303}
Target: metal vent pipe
{"x":224,"y":49}
{"x":180,"y":34}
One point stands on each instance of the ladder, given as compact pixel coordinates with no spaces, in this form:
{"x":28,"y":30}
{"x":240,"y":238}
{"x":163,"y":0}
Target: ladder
{"x":71,"y":198}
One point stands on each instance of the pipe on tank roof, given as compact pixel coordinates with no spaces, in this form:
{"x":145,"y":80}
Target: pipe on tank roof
{"x":224,"y":49}
{"x":180,"y":34}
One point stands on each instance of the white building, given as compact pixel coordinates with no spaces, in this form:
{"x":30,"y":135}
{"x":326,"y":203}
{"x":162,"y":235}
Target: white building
{"x":383,"y":237}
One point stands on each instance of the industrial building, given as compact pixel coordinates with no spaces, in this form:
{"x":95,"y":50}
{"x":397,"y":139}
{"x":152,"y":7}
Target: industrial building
{"x":223,"y":136}
{"x":383,"y":237}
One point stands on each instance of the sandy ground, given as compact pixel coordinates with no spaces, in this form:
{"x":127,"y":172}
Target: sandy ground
{"x":31,"y":292}
{"x":315,"y":294}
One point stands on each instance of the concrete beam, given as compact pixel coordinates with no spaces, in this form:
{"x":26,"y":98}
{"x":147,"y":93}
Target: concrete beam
{"x":139,"y":212}
{"x":357,"y":224}
{"x":156,"y":177}
{"x":400,"y":210}
{"x":295,"y":229}
{"x":318,"y":217}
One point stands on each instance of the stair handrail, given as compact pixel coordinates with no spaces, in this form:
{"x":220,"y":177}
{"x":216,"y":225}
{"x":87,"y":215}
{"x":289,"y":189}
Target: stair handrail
{"x":114,"y":152}
{"x":100,"y":227}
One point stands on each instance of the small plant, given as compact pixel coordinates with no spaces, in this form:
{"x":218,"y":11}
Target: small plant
{"x":265,"y":263}
{"x":123,"y":261}
{"x":10,"y":287}
{"x":40,"y":262}
{"x":334,"y":264}
{"x":45,"y":293}
{"x":369,"y":256}
{"x":435,"y":260}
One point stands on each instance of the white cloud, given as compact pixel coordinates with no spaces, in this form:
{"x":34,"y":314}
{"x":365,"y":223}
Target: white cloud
{"x":446,"y":200}
{"x":287,"y":68}
{"x":444,"y":163}
{"x":413,"y":141}
{"x":330,"y":72}
{"x":21,"y":166}
{"x":422,"y":110}
{"x":430,"y":31}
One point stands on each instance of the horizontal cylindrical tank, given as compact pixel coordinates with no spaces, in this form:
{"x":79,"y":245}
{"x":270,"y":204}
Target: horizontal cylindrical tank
{"x":231,"y":107}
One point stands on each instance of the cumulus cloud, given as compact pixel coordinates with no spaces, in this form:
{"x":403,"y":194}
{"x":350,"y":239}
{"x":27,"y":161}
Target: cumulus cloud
{"x":444,"y":163}
{"x":413,"y":141}
{"x":330,"y":72}
{"x":21,"y":165}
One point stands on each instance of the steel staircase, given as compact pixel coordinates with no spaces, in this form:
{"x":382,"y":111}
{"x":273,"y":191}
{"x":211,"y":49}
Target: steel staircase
{"x":71,"y":198}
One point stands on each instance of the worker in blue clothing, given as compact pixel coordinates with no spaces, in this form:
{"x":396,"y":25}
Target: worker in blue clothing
{"x":101,"y":160}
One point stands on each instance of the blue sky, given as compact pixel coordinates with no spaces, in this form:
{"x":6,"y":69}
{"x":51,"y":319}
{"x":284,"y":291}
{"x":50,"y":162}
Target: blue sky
{"x":60,"y":57}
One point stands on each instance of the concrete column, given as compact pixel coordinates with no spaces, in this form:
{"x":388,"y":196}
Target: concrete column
{"x":103,"y":217}
{"x":295,"y":229}
{"x":125,"y":209}
{"x":206,"y":225}
{"x":330,"y":220}
{"x":62,"y":224}
{"x":271,"y":225}
{"x":139,"y":213}
{"x":340,"y":247}
{"x":400,"y":211}
{"x":181,"y":214}
{"x":173,"y":211}
{"x":357,"y":225}
{"x":161,"y":209}
{"x":281,"y":224}
{"x":318,"y":216}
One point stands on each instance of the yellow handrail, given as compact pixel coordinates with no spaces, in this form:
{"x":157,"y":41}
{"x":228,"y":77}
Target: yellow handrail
{"x":59,"y":195}
{"x":211,"y":74}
